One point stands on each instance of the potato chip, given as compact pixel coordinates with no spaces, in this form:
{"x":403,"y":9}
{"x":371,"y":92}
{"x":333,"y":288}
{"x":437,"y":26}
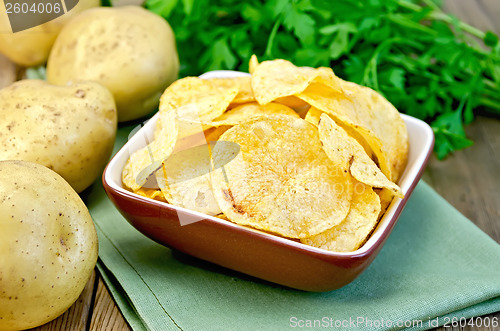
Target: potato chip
{"x":154,"y":194}
{"x":384,"y":120}
{"x":145,"y":161}
{"x":250,"y":111}
{"x":351,"y":233}
{"x":213,"y":134}
{"x":343,"y":149}
{"x":196,"y":99}
{"x":252,"y":64}
{"x":313,"y":116}
{"x":386,"y":196}
{"x":281,"y":181}
{"x":245,"y":93}
{"x":371,"y":115}
{"x":292,"y":102}
{"x":280,"y":78}
{"x":184,"y":180}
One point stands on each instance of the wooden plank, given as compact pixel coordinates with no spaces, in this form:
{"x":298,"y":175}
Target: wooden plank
{"x":77,"y":316}
{"x":469,"y":179}
{"x":106,"y":315}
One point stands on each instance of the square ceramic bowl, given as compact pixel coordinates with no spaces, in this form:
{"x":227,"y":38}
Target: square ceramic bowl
{"x":253,"y":252}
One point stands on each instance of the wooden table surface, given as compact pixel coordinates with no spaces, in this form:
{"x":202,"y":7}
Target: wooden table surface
{"x":469,"y":180}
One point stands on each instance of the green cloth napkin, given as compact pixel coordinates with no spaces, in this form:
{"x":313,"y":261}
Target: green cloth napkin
{"x":435,"y":266}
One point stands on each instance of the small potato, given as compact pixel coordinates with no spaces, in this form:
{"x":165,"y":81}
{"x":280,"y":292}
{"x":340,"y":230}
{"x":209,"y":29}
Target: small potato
{"x":31,"y":47}
{"x":128,"y":49}
{"x":69,"y":129}
{"x":48,"y":245}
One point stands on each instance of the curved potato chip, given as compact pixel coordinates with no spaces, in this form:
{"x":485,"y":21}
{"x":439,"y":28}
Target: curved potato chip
{"x":280,"y":78}
{"x":313,"y":116}
{"x":184,"y":180}
{"x":371,"y":115}
{"x":386,"y":196}
{"x":342,"y":148}
{"x":145,"y":161}
{"x":292,"y":102}
{"x":197,"y":99}
{"x":355,"y":229}
{"x":250,"y":111}
{"x":155,"y":194}
{"x":254,"y":62}
{"x":281,"y":181}
{"x":245,"y":93}
{"x":384,"y":120}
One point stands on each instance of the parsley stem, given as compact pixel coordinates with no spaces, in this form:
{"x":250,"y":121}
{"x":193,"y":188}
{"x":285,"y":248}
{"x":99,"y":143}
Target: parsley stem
{"x":272,"y":35}
{"x":494,"y":106}
{"x":463,"y":26}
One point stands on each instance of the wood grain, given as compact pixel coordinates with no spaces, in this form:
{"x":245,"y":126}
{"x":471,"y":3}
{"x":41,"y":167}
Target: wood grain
{"x":106,"y":315}
{"x":469,"y":180}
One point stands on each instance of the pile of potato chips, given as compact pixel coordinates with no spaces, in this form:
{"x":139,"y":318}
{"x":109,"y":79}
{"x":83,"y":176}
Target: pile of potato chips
{"x":293,"y":151}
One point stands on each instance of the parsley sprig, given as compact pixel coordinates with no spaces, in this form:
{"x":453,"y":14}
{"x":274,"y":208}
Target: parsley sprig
{"x":427,"y":63}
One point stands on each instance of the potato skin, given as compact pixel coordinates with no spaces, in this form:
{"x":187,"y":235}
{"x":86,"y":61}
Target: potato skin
{"x":69,"y":129}
{"x":48,"y":245}
{"x":31,"y":47}
{"x":128,"y":49}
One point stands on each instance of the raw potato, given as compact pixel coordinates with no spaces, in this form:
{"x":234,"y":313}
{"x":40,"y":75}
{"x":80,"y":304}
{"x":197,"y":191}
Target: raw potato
{"x":31,"y":47}
{"x":128,"y":49}
{"x":48,"y":245}
{"x":69,"y":129}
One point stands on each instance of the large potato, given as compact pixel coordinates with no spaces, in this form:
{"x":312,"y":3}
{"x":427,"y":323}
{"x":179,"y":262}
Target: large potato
{"x":48,"y":245}
{"x":128,"y":49}
{"x":32,"y":46}
{"x":69,"y":129}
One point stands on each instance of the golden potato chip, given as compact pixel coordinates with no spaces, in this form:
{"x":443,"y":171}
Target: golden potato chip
{"x":384,"y":120}
{"x":145,"y":161}
{"x":313,"y":116}
{"x":292,"y":102}
{"x":281,"y":181}
{"x":154,"y":194}
{"x":250,"y":111}
{"x":196,"y":99}
{"x":213,"y":134}
{"x":222,"y":217}
{"x":184,"y":180}
{"x":280,"y":78}
{"x":245,"y":93}
{"x":371,"y":115}
{"x":342,"y":148}
{"x":351,"y":233}
{"x":254,"y":62}
{"x":386,"y":196}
